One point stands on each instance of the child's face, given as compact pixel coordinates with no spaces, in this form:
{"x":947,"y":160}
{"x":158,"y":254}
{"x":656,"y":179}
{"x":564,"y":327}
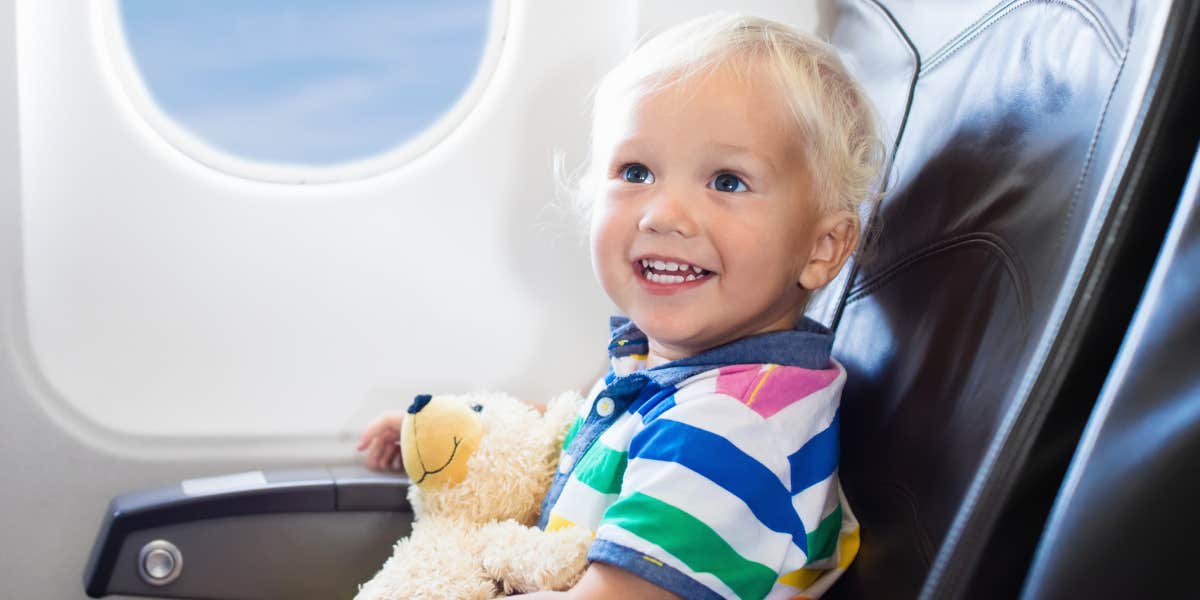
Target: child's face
{"x":707,"y":173}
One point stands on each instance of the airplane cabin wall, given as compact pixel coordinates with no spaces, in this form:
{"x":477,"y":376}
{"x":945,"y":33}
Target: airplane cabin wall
{"x":163,"y":319}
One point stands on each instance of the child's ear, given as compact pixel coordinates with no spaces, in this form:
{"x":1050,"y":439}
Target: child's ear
{"x":837,"y":237}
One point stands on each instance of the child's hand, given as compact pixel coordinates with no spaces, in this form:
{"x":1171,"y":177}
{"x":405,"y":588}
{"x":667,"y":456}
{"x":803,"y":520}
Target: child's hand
{"x":379,"y":440}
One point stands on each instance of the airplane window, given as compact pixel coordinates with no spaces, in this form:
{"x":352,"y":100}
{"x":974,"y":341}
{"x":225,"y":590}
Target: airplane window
{"x":306,"y":82}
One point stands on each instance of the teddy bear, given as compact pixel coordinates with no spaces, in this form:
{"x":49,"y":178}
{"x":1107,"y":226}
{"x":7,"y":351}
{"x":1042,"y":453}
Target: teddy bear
{"x":480,"y":465}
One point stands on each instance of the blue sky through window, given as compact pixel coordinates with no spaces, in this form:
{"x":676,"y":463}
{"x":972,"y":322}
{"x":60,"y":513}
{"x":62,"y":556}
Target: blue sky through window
{"x":306,"y":81}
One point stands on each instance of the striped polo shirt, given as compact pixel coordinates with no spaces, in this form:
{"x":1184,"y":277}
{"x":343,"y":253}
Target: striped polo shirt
{"x":713,"y":476}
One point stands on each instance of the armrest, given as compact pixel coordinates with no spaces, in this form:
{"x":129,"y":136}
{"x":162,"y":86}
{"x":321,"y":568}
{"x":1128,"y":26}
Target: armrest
{"x":275,"y":534}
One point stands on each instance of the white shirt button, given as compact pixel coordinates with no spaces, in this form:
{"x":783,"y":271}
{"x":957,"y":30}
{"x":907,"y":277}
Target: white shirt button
{"x":604,"y":407}
{"x":564,"y":462}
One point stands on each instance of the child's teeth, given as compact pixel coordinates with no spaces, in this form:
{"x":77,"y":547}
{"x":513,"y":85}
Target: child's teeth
{"x":661,"y":271}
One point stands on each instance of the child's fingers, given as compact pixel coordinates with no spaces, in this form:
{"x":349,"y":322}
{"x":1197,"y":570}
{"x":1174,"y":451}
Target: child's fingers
{"x":379,"y":440}
{"x":390,"y":456}
{"x":369,"y":459}
{"x":386,"y":427}
{"x":375,"y":454}
{"x":373,"y":430}
{"x":382,"y":454}
{"x":364,"y":440}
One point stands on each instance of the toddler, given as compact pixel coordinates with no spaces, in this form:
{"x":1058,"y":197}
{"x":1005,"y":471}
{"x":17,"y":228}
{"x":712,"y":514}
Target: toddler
{"x":729,"y":156}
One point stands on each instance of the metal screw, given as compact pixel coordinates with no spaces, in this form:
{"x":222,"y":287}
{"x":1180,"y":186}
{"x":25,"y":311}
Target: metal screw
{"x":160,"y":563}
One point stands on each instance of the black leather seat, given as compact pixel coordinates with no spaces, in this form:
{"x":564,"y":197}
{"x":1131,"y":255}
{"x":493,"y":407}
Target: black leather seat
{"x":979,"y":327}
{"x":1127,"y":508}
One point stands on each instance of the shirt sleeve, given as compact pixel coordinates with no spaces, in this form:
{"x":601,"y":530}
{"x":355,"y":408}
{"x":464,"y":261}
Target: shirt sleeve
{"x":705,"y":508}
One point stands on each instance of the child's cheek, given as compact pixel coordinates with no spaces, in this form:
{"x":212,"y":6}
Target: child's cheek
{"x":609,"y":244}
{"x":600,"y":246}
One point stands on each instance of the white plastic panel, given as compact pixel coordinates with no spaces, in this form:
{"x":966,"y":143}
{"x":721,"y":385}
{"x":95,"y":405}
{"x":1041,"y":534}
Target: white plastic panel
{"x":166,"y":299}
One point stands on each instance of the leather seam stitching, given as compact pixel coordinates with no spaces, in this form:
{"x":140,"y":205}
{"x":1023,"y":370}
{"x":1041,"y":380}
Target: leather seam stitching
{"x":1114,"y":49}
{"x":987,"y":241}
{"x":1091,"y":153}
{"x":891,"y":160}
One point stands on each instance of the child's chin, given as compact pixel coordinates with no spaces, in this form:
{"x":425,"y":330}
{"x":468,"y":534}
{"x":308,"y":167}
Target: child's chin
{"x":666,"y":325}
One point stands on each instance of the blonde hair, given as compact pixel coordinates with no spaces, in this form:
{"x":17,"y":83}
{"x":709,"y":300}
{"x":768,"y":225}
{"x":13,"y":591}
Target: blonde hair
{"x":833,"y":115}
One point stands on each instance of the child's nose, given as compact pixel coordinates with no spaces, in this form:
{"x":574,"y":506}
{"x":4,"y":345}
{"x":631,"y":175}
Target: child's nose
{"x":669,"y":211}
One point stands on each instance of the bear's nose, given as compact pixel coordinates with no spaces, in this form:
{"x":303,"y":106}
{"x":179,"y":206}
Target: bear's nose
{"x":418,"y":403}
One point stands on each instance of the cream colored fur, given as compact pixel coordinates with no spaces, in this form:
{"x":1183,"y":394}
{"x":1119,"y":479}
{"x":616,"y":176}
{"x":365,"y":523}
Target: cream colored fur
{"x":474,"y":539}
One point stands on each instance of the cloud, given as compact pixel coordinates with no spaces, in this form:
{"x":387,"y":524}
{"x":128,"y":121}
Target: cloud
{"x":318,"y":124}
{"x":308,"y":82}
{"x":199,"y":35}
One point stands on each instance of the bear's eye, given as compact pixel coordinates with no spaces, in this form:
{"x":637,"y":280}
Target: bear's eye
{"x":477,"y":407}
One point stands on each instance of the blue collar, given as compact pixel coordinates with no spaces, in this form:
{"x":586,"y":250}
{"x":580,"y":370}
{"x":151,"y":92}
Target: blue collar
{"x":807,"y":345}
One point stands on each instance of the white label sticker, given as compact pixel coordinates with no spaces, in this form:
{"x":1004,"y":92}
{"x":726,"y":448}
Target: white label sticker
{"x":224,"y":483}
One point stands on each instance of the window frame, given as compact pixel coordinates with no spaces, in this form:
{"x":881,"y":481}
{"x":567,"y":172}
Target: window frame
{"x":106,"y":17}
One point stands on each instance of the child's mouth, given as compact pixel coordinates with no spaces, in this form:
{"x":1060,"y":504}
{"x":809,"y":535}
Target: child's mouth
{"x":669,"y":273}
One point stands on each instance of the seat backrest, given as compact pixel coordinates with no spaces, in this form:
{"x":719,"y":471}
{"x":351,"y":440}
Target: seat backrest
{"x":1132,"y":485}
{"x":1012,"y":125}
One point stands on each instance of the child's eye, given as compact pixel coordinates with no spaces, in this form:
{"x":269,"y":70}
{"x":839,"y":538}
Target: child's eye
{"x":635,"y":173}
{"x":728,"y":182}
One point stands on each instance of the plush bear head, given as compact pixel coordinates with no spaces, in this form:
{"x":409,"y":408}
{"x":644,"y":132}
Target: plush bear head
{"x":482,"y":457}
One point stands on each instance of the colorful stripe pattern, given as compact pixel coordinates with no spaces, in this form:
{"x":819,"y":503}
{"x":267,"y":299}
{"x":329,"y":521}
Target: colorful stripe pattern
{"x":723,"y":484}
